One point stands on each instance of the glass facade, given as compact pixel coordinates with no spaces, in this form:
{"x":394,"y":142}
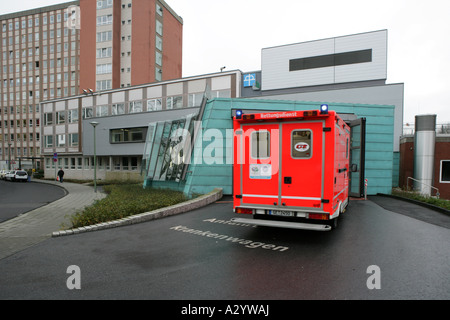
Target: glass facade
{"x":168,"y":149}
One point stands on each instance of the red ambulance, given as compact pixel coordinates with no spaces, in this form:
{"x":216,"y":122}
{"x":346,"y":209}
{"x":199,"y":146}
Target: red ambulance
{"x":291,"y":168}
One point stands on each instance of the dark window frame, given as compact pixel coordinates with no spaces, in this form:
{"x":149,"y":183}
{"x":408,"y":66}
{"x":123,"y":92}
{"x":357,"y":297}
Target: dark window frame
{"x":331,"y":60}
{"x":127,"y":135}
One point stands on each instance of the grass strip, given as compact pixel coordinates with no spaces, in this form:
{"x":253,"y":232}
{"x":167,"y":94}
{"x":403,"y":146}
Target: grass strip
{"x":126,"y":200}
{"x":442,"y":203}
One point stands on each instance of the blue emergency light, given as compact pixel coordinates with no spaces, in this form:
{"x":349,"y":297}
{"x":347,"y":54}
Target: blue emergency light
{"x":238,"y":114}
{"x":324,"y":109}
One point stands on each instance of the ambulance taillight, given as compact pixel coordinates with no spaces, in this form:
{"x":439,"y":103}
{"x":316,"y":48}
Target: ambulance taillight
{"x":318,"y":216}
{"x":244,"y":210}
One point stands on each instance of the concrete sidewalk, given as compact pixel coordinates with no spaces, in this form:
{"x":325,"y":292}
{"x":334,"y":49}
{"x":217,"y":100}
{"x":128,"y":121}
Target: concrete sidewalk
{"x":45,"y":222}
{"x":39,"y":224}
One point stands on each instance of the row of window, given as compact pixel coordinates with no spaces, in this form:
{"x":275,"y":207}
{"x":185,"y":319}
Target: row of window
{"x":21,"y":152}
{"x":104,"y":4}
{"x":34,"y":22}
{"x":61,"y":117}
{"x":20,"y":109}
{"x":24,"y":137}
{"x":19,"y":123}
{"x":104,"y":68}
{"x":36,"y":51}
{"x":50,"y":92}
{"x":87,"y":163}
{"x":22,"y":82}
{"x":61,"y":140}
{"x":301,"y":144}
{"x":130,"y":135}
{"x":51,"y":34}
{"x":24,"y":67}
{"x":174,"y":102}
{"x":71,"y":116}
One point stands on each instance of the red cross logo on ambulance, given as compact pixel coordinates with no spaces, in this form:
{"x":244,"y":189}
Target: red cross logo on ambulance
{"x":301,"y":147}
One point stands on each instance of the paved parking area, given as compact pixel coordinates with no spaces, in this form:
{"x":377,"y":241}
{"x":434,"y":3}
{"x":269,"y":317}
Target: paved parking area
{"x":37,"y":225}
{"x":17,"y":198}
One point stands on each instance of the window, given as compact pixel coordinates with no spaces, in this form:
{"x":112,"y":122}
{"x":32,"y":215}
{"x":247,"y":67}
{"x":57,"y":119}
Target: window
{"x":301,"y":144}
{"x":158,"y":74}
{"x":87,"y":113}
{"x":104,"y":68}
{"x":154,"y":105}
{"x":60,"y":140}
{"x":73,"y":116}
{"x":118,"y":109}
{"x":174,"y":102}
{"x":159,"y":27}
{"x":101,"y":111}
{"x":104,"y":36}
{"x":104,"y":52}
{"x":103,"y":85}
{"x":331,"y":60}
{"x":159,"y":58}
{"x":103,"y":4}
{"x":104,"y":20}
{"x":128,"y":135}
{"x":221,"y":93}
{"x":445,"y":171}
{"x":159,"y":10}
{"x":135,"y":106}
{"x":195,"y":99}
{"x":73,"y":140}
{"x":159,"y":43}
{"x":61,"y":117}
{"x":48,"y":141}
{"x":260,"y":144}
{"x":48,"y":119}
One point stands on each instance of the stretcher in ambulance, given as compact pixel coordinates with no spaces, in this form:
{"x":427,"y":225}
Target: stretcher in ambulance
{"x":291,"y":169}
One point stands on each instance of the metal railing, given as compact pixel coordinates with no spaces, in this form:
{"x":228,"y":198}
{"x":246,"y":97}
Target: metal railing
{"x":441,"y":128}
{"x":407,"y":186}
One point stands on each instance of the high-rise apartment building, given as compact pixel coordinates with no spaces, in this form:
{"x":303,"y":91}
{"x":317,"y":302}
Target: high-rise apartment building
{"x":135,"y":42}
{"x":62,"y":50}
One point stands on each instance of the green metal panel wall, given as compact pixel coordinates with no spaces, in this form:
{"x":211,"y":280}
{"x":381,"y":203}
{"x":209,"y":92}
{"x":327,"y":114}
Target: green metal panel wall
{"x":203,"y":176}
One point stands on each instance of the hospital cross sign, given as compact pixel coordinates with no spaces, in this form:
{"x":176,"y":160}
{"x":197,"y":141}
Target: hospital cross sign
{"x":249,"y":79}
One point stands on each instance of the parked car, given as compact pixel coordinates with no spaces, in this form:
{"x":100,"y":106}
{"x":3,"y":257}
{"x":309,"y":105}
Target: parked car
{"x":3,"y":174}
{"x":9,"y":175}
{"x":17,"y":175}
{"x":21,"y":175}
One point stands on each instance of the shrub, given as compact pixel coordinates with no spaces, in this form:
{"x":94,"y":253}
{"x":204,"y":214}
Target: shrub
{"x":443,"y":203}
{"x":125,"y":200}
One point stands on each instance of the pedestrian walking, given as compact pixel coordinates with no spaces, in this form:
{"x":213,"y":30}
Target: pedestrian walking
{"x":61,"y":175}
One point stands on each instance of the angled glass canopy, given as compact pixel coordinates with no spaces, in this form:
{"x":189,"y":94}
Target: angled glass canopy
{"x":168,"y":148}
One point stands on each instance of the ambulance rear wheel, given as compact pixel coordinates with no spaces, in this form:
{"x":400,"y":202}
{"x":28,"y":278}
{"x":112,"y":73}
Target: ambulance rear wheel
{"x":333,"y":223}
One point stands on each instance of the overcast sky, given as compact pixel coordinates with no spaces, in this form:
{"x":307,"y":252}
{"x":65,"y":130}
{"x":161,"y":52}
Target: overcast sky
{"x":232,"y":33}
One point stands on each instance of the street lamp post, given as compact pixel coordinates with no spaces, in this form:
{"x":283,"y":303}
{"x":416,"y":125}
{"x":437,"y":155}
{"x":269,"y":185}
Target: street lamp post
{"x":9,"y":156}
{"x":95,"y":124}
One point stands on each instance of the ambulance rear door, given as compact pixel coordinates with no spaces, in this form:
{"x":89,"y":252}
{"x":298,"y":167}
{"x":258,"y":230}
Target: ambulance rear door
{"x":302,"y":164}
{"x":259,"y":164}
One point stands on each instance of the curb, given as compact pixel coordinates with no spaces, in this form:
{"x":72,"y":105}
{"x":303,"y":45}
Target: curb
{"x":423,"y":204}
{"x":183,"y":207}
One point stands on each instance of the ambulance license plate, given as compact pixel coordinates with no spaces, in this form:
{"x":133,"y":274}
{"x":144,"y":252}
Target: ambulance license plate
{"x":282,"y":213}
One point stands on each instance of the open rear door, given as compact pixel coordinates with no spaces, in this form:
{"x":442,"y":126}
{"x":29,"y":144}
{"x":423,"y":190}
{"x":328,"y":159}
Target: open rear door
{"x":357,"y":157}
